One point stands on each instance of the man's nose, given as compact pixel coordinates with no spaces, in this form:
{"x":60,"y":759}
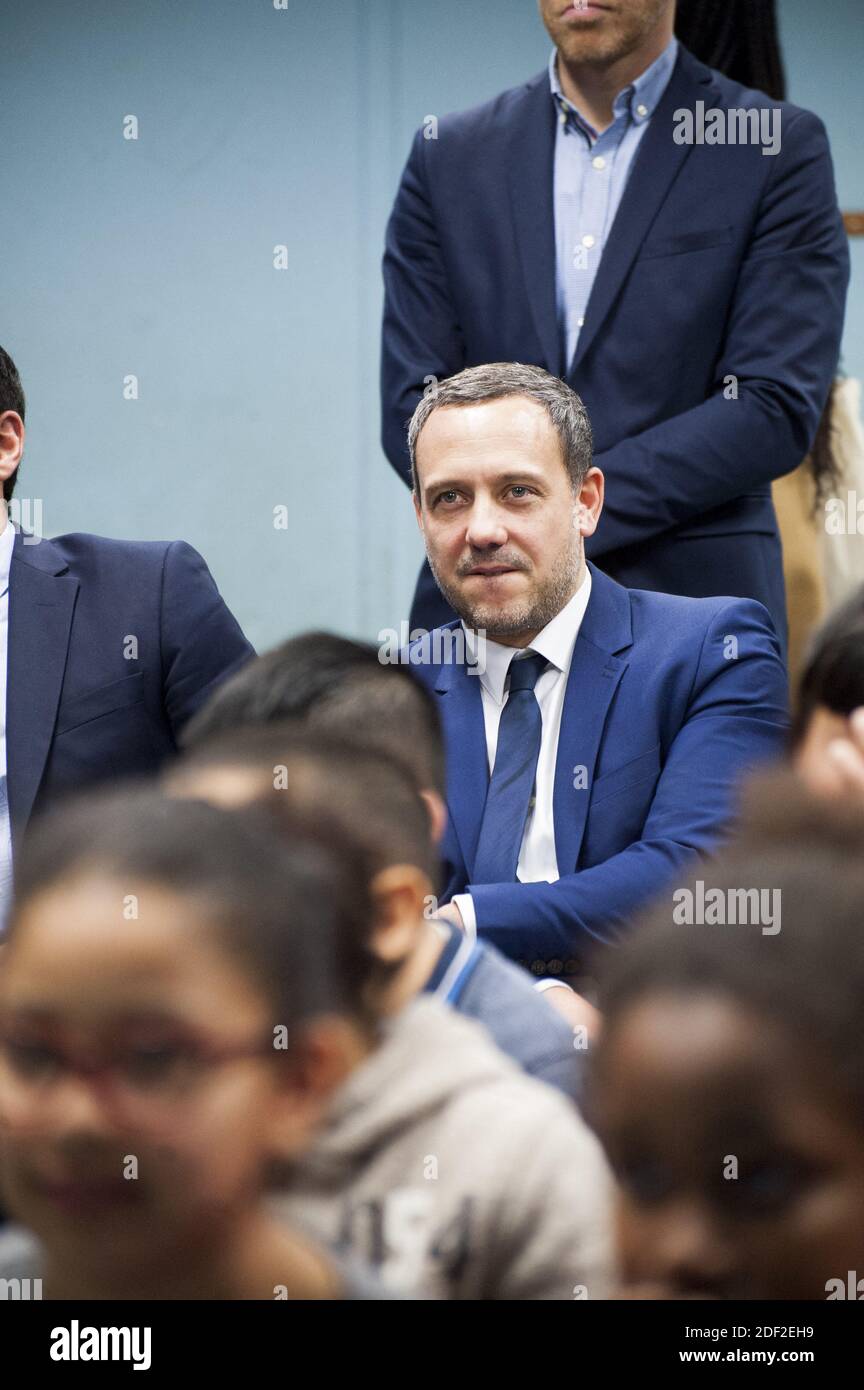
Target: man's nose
{"x":485,"y":525}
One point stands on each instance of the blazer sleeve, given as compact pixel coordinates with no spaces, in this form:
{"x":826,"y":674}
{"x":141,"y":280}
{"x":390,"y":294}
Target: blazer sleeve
{"x":421,"y":337}
{"x":201,"y":640}
{"x":782,"y":343}
{"x":736,"y":718}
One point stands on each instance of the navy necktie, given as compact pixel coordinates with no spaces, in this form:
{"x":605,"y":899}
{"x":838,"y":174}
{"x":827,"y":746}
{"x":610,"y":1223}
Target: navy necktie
{"x":509,"y":794}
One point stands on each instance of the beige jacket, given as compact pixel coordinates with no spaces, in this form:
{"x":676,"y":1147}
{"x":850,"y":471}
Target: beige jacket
{"x":454,"y":1175}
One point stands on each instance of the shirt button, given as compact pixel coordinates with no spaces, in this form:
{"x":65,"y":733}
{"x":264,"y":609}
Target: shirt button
{"x":599,"y":162}
{"x":562,"y":119}
{"x":588,"y":240}
{"x":641,"y":110}
{"x":580,"y":323}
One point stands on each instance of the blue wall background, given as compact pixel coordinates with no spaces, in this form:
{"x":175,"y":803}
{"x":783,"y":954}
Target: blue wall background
{"x":258,"y":388}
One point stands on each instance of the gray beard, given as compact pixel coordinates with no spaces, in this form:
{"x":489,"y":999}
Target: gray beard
{"x":525,"y":615}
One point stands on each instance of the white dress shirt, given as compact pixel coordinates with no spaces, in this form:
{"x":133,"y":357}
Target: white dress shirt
{"x":537,"y":858}
{"x":7,"y":541}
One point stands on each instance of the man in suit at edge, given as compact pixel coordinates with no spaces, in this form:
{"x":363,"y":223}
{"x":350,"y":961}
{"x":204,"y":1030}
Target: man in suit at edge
{"x":692,"y":292}
{"x":107,"y":647}
{"x":593,"y":752}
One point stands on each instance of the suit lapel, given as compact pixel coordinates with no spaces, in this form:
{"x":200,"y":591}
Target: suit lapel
{"x":657,"y":162}
{"x":41,"y":602}
{"x":595,"y":672}
{"x":468,"y":767}
{"x":531,"y":158}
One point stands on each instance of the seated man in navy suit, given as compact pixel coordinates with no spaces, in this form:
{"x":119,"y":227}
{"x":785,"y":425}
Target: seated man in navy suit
{"x":107,"y":648}
{"x":594,"y":733}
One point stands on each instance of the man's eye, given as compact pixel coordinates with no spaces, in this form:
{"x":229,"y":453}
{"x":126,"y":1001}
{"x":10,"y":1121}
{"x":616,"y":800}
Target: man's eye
{"x":30,"y":1059}
{"x":520,"y":490}
{"x":447,"y":497}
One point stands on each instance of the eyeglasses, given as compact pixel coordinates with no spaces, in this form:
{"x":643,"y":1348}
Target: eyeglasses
{"x":137,"y":1078}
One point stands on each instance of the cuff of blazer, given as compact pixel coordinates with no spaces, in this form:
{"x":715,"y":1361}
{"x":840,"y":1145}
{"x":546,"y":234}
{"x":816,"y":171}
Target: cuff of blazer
{"x":506,"y":915}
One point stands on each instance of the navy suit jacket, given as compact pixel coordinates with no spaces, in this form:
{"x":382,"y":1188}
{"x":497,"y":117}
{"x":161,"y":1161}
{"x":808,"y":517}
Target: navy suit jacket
{"x":668,"y":701}
{"x":112,"y":646}
{"x":721,"y":262}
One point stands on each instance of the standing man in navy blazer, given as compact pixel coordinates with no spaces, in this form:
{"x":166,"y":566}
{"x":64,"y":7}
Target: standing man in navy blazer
{"x":594,"y":746}
{"x":106,"y":649}
{"x":665,"y":240}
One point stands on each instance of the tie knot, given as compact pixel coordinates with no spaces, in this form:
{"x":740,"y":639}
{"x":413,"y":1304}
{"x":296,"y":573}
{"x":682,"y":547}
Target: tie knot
{"x":525,"y":672}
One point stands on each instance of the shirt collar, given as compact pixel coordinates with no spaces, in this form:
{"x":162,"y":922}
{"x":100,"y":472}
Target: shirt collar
{"x":556,"y":642}
{"x":7,"y":541}
{"x":638,"y":100}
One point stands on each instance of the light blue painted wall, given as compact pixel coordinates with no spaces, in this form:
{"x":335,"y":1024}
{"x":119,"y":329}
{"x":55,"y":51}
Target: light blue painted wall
{"x":258,"y":387}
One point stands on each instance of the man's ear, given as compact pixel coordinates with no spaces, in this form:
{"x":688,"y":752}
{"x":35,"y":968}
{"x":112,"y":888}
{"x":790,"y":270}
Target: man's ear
{"x":11,"y":443}
{"x":311,"y":1071}
{"x":590,"y":501}
{"x":398,"y":894}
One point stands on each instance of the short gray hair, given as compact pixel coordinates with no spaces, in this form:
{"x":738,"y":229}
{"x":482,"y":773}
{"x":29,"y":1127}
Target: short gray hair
{"x":495,"y":380}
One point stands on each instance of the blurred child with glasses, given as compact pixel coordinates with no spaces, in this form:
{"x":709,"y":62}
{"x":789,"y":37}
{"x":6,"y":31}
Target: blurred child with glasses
{"x":164,"y":1039}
